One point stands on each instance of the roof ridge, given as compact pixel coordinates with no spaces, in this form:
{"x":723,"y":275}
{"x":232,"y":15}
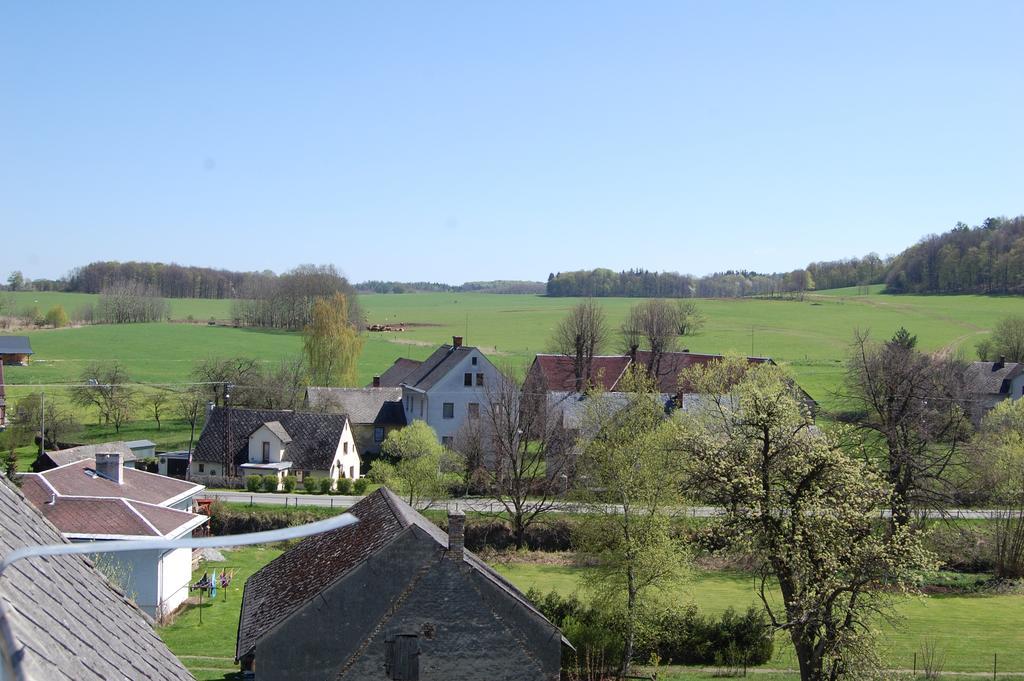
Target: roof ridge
{"x":389,"y":499}
{"x":142,"y":517}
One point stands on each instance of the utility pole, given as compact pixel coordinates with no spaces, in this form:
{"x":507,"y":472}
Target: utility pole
{"x":42,"y":422}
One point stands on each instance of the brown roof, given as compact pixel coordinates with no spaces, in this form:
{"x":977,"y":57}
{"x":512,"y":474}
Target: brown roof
{"x":66,"y":621}
{"x":103,"y":515}
{"x":674,"y":363}
{"x":284,"y":585}
{"x":396,"y":373}
{"x":558,"y":373}
{"x":75,"y":479}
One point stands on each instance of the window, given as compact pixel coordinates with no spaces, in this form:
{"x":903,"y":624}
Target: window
{"x":344,"y":448}
{"x":448,"y":410}
{"x":447,"y":440}
{"x":200,"y":468}
{"x":467,"y":379}
{"x":378,"y":434}
{"x":266,"y":452}
{"x":402,"y":657}
{"x":352,"y":472}
{"x":473,"y":409}
{"x":474,"y":361}
{"x":479,"y":379}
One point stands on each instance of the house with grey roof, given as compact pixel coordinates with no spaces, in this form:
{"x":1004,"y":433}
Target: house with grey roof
{"x":448,"y":387}
{"x":15,"y":350}
{"x":61,"y":620}
{"x":99,"y":499}
{"x":391,"y":597}
{"x":396,"y":373}
{"x":62,"y":457}
{"x":989,"y":383}
{"x":238,"y":443}
{"x":373,"y":412}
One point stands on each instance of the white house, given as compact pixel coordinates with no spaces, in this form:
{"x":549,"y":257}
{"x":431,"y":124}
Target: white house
{"x":448,"y":388}
{"x":238,"y":443}
{"x":99,"y":499}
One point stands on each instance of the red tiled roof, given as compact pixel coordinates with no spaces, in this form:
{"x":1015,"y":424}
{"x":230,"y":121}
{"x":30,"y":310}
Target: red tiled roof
{"x":559,"y":375}
{"x":674,"y":363}
{"x":74,"y":480}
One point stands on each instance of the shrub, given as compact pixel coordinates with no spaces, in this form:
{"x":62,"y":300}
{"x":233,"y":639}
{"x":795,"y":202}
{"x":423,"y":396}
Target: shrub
{"x":269,"y":483}
{"x":57,"y":317}
{"x":360,"y":485}
{"x":253,"y":483}
{"x":290,"y":481}
{"x":325,"y":485}
{"x":344,"y":486}
{"x":311,"y":484}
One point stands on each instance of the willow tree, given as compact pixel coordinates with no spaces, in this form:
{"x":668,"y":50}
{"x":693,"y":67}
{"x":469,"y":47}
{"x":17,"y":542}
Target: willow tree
{"x":332,"y":343}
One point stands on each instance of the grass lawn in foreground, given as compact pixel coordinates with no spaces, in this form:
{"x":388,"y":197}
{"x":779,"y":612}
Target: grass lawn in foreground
{"x":208,"y":649}
{"x":968,"y":628}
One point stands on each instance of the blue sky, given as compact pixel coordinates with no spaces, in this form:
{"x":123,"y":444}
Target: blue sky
{"x":454,"y":142}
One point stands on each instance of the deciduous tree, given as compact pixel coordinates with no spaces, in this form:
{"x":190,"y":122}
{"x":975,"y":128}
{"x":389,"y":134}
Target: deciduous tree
{"x":417,"y":466}
{"x":331,"y":342}
{"x":582,"y":334}
{"x":807,"y":509}
{"x":104,"y":385}
{"x":1007,"y":341}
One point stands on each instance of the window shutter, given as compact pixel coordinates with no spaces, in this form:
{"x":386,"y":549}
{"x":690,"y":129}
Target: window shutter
{"x":402,"y":657}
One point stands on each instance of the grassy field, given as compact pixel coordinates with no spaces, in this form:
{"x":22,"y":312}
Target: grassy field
{"x":968,"y":628}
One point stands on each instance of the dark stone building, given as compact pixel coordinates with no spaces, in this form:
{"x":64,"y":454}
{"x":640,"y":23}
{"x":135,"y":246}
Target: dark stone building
{"x":391,"y":597}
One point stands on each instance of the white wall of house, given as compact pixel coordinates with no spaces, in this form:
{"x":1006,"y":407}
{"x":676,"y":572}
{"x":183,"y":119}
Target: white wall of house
{"x":175,"y":575}
{"x":346,"y":458}
{"x":452,"y":390}
{"x":274,"y":445}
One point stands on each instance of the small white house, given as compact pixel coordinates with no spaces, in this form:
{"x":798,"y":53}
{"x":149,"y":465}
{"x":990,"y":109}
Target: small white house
{"x":100,"y":499}
{"x":275,"y":442}
{"x":448,"y":388}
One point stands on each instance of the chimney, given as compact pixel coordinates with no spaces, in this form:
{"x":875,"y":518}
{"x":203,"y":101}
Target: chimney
{"x":456,"y":535}
{"x":209,"y":410}
{"x":456,"y":341}
{"x":376,"y":381}
{"x":109,"y":466}
{"x":1000,"y":364}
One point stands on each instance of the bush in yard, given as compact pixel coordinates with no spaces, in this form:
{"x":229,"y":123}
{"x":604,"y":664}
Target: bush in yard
{"x":290,"y":481}
{"x":311,"y":484}
{"x":269,"y":483}
{"x":325,"y":485}
{"x":360,"y":485}
{"x":344,"y":486}
{"x":253,"y":483}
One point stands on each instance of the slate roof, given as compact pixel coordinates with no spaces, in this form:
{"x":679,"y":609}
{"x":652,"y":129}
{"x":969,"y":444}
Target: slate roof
{"x":286,"y":583}
{"x":101,"y":516}
{"x":75,"y":480}
{"x":15,"y":345}
{"x":989,"y":378}
{"x":66,"y":621}
{"x":63,"y":457}
{"x":396,"y":373}
{"x":314,"y":437}
{"x":437,"y":366}
{"x":364,"y":406}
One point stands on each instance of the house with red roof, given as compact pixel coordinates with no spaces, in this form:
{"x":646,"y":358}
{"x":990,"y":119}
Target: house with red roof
{"x":99,"y":499}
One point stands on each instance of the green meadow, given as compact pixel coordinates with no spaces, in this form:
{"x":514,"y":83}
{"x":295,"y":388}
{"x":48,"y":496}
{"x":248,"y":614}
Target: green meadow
{"x":968,"y":629}
{"x":811,"y":336}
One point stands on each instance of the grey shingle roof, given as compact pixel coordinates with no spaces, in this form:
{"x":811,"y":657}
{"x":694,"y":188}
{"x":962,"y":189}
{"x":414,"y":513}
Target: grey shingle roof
{"x":436,"y":367}
{"x":396,"y":373}
{"x":377,"y":406}
{"x":314,"y":437}
{"x":277,"y":429}
{"x":15,"y":345}
{"x":984,"y":378}
{"x":62,"y":457}
{"x":284,"y":585}
{"x":66,"y":620}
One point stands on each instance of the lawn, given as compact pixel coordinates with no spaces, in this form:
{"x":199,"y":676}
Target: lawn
{"x":968,"y":628}
{"x":208,"y":649}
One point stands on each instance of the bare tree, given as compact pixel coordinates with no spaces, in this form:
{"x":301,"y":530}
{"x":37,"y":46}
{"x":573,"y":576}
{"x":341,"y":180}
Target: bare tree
{"x":104,"y":385}
{"x":275,"y":387}
{"x":652,"y":325}
{"x":190,"y":406}
{"x":216,"y":373}
{"x":520,"y":440}
{"x":59,"y":423}
{"x":581,"y":335}
{"x":689,"y":319}
{"x":156,"y":401}
{"x":129,"y":302}
{"x":910,"y":405}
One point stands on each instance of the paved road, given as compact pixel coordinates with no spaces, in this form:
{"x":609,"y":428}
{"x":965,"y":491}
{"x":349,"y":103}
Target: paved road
{"x":493,"y":506}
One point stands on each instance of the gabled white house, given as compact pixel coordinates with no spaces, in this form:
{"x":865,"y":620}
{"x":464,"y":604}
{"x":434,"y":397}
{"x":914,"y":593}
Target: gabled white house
{"x":448,"y":388}
{"x":237,"y":443}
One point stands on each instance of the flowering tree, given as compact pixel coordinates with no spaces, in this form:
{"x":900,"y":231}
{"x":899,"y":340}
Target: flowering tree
{"x":807,"y":510}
